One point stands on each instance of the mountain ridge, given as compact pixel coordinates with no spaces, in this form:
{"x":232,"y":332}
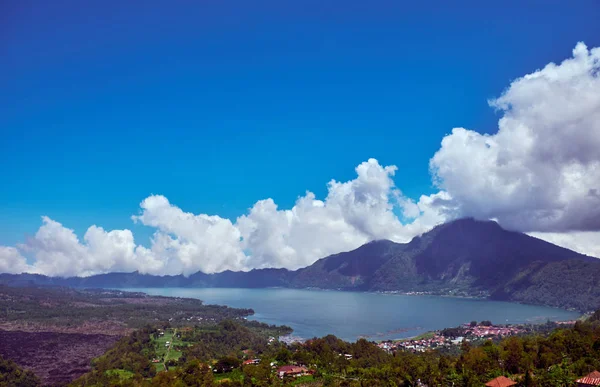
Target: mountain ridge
{"x":464,"y":257}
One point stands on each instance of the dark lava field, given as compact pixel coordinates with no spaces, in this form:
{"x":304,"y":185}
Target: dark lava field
{"x":56,"y":358}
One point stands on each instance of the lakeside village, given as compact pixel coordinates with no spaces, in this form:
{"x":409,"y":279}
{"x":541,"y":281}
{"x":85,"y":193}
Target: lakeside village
{"x":169,"y":344}
{"x":453,"y":338}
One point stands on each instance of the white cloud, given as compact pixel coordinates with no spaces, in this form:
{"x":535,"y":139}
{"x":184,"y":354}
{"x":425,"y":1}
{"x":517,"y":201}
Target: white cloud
{"x":541,"y":170}
{"x":187,"y":242}
{"x":11,"y":261}
{"x":57,"y":250}
{"x":585,"y":242}
{"x":540,"y":173}
{"x":353,"y":213}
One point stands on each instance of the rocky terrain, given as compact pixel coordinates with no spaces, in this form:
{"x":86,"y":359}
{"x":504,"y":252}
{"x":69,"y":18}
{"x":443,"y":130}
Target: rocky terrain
{"x":56,"y":332}
{"x":55,"y":358}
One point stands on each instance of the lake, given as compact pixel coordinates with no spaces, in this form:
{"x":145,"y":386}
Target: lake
{"x":350,"y":315}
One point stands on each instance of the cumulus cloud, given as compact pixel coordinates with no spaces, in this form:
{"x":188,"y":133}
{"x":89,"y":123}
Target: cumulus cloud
{"x":353,"y":213}
{"x":11,"y":261}
{"x":541,"y":170}
{"x":189,"y":242}
{"x":57,"y":250}
{"x":539,"y":173}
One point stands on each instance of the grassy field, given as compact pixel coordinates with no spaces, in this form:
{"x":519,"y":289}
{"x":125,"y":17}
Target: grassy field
{"x":303,"y":379}
{"x":163,"y":351}
{"x":233,"y":375}
{"x":160,"y":367}
{"x":122,"y":374}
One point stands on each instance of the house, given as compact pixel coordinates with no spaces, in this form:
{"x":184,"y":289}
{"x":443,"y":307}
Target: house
{"x":500,"y":381}
{"x":291,"y":370}
{"x":251,"y":361}
{"x":592,"y":379}
{"x":458,"y":340}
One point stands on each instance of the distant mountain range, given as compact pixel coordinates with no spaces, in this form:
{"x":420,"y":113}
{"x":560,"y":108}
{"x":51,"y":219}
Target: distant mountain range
{"x":465,"y":257}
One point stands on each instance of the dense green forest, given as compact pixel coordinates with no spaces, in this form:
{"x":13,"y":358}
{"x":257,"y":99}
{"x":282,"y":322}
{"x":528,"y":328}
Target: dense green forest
{"x":11,"y":375}
{"x":213,"y":356}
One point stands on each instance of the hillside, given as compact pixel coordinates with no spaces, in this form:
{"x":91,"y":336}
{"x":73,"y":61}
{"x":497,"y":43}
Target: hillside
{"x":464,"y":253}
{"x":464,"y":257}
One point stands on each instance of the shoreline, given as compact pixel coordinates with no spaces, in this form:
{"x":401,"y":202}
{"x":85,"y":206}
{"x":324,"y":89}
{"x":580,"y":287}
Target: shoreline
{"x":380,"y":292}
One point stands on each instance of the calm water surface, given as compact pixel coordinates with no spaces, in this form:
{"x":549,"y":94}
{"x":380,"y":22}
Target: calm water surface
{"x":350,"y":315}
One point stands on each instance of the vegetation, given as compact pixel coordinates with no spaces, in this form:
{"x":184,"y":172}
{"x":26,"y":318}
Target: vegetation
{"x":224,"y":339}
{"x":13,"y":376}
{"x":78,"y":325}
{"x":129,"y":360}
{"x":215,"y":354}
{"x":214,"y":351}
{"x":69,"y":309}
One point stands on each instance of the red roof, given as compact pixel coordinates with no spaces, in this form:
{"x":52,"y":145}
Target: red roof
{"x":291,"y":369}
{"x":500,"y":381}
{"x":592,"y":379}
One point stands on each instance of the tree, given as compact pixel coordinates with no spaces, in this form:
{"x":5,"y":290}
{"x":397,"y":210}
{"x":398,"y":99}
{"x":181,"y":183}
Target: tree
{"x":12,"y":375}
{"x":196,"y":374}
{"x":513,"y":355}
{"x":283,"y":356}
{"x":226,"y":364}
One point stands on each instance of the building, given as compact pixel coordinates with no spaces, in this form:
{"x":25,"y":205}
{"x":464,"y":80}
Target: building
{"x":458,"y":340}
{"x":291,"y":370}
{"x":500,"y":381}
{"x":590,"y":380}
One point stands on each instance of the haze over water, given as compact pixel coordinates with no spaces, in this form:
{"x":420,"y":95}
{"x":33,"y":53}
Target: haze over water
{"x":350,"y":315}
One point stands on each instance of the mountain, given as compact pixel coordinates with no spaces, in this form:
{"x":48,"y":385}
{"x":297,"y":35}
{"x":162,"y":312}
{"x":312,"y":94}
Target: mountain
{"x":465,"y":257}
{"x":463,"y":253}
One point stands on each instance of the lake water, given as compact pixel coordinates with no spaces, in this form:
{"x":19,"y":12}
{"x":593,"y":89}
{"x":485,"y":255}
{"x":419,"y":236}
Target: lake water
{"x":350,"y":315}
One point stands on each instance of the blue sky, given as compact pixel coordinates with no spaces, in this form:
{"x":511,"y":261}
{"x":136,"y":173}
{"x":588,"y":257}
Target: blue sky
{"x":217,"y":105}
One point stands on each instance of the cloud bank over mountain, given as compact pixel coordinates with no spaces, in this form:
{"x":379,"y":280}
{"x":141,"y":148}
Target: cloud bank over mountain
{"x":540,"y":173}
{"x":541,"y":170}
